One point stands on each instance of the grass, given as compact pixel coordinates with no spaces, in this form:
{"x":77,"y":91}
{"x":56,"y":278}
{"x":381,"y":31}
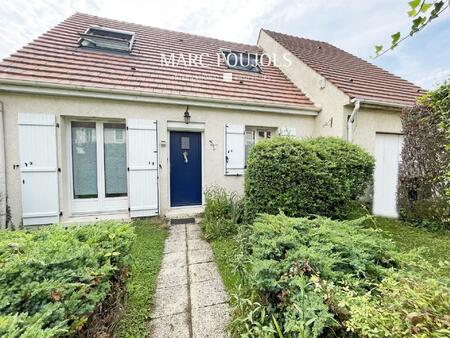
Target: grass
{"x":408,"y":237}
{"x":223,"y":250}
{"x":147,"y":252}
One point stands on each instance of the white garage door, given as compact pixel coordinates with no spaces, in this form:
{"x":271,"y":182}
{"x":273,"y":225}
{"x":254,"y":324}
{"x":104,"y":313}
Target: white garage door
{"x":387,"y":156}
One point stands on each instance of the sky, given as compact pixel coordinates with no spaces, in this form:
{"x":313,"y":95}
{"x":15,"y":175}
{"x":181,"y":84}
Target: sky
{"x":353,"y":25}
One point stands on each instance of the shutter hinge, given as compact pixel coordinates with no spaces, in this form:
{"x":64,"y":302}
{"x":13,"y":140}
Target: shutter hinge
{"x":127,"y":128}
{"x":57,"y":125}
{"x":129,"y":209}
{"x":59,"y":170}
{"x":128,"y":169}
{"x":60,"y":213}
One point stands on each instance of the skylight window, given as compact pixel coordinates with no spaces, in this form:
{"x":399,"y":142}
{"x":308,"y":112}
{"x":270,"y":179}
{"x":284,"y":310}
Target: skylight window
{"x":107,"y":39}
{"x":241,"y":61}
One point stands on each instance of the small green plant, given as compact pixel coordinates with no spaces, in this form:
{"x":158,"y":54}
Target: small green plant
{"x":223,"y":212}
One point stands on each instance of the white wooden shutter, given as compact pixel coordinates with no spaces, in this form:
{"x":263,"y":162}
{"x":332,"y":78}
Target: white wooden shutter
{"x":143,"y":167}
{"x":234,"y":149}
{"x":287,"y":131}
{"x":38,"y":168}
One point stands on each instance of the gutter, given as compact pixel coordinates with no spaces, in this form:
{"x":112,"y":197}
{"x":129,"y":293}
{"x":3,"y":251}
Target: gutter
{"x":2,"y":170}
{"x":41,"y":88}
{"x":352,"y":118}
{"x":357,"y":104}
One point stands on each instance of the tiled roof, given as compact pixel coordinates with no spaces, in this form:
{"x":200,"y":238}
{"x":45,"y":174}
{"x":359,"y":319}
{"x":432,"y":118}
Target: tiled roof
{"x":55,"y":57}
{"x":354,"y":76}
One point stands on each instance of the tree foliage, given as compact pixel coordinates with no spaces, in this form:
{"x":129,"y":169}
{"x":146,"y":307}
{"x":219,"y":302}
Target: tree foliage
{"x":424,"y":188}
{"x":421,"y":12}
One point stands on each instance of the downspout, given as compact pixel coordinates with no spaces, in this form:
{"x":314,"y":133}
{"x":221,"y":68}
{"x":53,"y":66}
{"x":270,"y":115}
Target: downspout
{"x":351,"y":119}
{"x":2,"y":170}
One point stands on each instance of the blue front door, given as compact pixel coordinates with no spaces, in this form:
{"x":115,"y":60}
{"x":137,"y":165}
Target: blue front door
{"x":185,"y":168}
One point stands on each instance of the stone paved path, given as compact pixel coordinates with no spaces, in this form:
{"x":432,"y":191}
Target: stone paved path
{"x":190,"y":299}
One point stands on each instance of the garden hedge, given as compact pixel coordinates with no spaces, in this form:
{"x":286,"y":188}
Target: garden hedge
{"x":319,"y":176}
{"x":53,"y":279}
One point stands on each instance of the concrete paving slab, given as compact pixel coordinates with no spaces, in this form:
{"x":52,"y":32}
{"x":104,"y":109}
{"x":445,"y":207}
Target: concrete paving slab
{"x":174,"y":246}
{"x":169,"y":301}
{"x":210,"y":292}
{"x":190,"y":298}
{"x":194,"y":234}
{"x":200,"y":256}
{"x":169,"y":277}
{"x":193,"y":227}
{"x":197,"y":244}
{"x":174,"y":259}
{"x":176,"y":325}
{"x":203,"y":271}
{"x":210,"y":321}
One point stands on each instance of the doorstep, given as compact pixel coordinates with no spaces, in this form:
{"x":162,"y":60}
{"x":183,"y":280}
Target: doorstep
{"x":179,"y":213}
{"x":87,"y":219}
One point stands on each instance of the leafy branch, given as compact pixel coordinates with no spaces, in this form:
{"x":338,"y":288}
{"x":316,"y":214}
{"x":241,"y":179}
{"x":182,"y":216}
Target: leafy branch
{"x":422,"y":13}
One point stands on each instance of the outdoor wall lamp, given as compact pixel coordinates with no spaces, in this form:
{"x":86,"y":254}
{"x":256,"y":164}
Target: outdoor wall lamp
{"x":187,"y":116}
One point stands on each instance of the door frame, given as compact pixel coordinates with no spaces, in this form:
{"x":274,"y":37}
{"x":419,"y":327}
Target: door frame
{"x":120,"y":202}
{"x":193,"y":127}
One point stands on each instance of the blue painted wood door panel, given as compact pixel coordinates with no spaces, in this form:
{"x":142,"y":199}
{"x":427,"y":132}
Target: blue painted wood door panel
{"x":185,"y":168}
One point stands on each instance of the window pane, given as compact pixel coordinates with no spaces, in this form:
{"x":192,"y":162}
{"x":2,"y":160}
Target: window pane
{"x":84,"y":160}
{"x":115,"y":160}
{"x":249,"y":142}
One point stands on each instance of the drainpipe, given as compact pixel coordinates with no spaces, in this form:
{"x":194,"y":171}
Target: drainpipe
{"x":2,"y":170}
{"x":351,"y":119}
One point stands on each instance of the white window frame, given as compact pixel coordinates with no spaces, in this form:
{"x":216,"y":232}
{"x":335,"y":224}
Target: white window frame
{"x":101,"y":204}
{"x":256,"y":138}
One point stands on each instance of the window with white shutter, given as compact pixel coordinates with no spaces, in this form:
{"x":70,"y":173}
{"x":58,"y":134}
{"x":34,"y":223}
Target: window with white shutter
{"x":234,"y":149}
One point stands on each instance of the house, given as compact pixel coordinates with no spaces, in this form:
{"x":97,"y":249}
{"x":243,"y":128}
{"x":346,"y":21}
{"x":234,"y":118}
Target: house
{"x":102,"y":118}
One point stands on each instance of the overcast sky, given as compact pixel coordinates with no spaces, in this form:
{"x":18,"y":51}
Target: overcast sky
{"x":353,"y":25}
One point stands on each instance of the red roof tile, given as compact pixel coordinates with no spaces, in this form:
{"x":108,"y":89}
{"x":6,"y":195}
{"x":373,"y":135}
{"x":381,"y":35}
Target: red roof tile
{"x":55,"y":57}
{"x":354,"y":76}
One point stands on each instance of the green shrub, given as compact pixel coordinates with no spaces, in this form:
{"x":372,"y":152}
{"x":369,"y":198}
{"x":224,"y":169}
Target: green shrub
{"x":316,"y":277}
{"x":305,"y":177}
{"x":223,"y":212}
{"x":401,"y":307}
{"x":53,"y":279}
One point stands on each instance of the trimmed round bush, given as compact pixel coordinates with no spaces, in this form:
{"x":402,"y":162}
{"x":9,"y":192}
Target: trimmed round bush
{"x":320,"y":176}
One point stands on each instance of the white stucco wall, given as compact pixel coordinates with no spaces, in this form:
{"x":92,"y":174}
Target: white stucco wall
{"x":322,"y":92}
{"x":64,"y":107}
{"x":370,"y":121}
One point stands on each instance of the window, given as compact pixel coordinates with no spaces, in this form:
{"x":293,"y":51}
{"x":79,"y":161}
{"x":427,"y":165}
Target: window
{"x":254,"y":135}
{"x":84,"y":160}
{"x":107,"y":39}
{"x":241,"y":61}
{"x":115,"y":159}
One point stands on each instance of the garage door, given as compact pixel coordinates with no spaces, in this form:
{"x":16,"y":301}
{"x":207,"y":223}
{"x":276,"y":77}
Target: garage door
{"x":387,"y":156}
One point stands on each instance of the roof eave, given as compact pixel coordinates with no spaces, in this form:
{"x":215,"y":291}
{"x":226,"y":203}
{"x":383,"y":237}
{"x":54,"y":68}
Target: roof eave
{"x":46,"y":88}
